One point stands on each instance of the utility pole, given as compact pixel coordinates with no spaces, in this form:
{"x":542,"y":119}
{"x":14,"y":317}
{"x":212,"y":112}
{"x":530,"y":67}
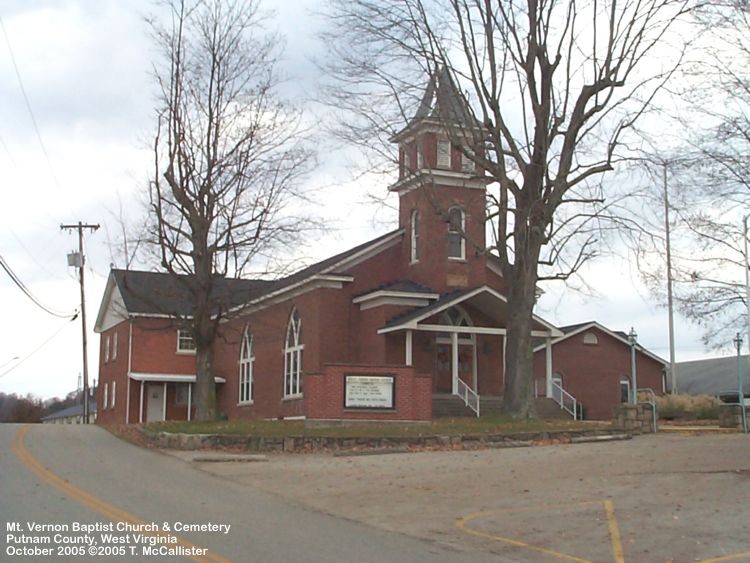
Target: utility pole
{"x":80,"y":261}
{"x":670,"y":307}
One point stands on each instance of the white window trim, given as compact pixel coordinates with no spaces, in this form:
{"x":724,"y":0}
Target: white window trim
{"x":462,"y":257}
{"x":106,"y":396}
{"x":626,"y":381}
{"x":414,"y":255}
{"x":113,"y":396}
{"x":114,"y":346}
{"x":467,"y":164}
{"x":442,"y":163}
{"x":246,"y":369}
{"x":293,"y":353}
{"x":106,"y":349}
{"x":189,"y":351}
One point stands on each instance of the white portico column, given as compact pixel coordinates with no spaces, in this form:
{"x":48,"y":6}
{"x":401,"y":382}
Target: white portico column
{"x":454,"y":362}
{"x":409,"y":347}
{"x":548,"y":365}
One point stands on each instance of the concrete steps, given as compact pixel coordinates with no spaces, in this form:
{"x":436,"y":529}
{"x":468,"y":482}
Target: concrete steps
{"x":548,"y":409}
{"x":445,"y":405}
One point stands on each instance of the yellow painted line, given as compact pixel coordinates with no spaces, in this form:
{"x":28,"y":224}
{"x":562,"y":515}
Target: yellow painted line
{"x":461,"y":524}
{"x":732,"y":557}
{"x":94,"y":503}
{"x":614,"y":532}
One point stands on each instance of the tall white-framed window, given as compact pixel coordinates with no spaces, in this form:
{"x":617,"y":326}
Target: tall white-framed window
{"x":114,"y":395}
{"x":293,"y":356}
{"x":185,"y":341}
{"x":443,"y":153}
{"x":420,"y":157}
{"x":106,"y":349}
{"x":106,"y":396}
{"x":456,"y":241}
{"x":624,"y":389}
{"x":114,"y":346}
{"x":246,"y":367}
{"x":415,"y":236}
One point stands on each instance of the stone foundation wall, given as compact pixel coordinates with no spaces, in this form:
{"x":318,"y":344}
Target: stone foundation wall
{"x":631,"y":418}
{"x":302,"y":444}
{"x":730,"y":416}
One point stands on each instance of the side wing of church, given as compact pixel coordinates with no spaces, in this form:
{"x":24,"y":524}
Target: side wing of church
{"x":384,"y":331}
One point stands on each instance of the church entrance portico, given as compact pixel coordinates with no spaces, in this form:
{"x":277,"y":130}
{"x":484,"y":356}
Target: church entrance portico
{"x":458,"y":363}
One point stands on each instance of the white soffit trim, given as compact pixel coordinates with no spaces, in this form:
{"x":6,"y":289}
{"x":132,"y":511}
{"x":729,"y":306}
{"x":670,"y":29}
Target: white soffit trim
{"x":112,"y":310}
{"x":604,"y":329}
{"x":446,"y":178}
{"x":404,"y":301}
{"x":168,"y":377}
{"x":325,"y":276}
{"x":386,"y":297}
{"x":492,"y":267}
{"x":412,"y":324}
{"x":285,"y":293}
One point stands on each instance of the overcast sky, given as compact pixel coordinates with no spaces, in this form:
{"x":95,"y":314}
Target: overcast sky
{"x":85,"y":67}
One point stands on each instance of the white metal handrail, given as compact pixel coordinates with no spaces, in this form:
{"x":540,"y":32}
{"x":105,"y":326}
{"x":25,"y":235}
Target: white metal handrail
{"x":566,"y":401}
{"x":468,"y":395}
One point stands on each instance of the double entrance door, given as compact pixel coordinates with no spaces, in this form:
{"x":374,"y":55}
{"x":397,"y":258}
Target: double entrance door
{"x":443,"y":380}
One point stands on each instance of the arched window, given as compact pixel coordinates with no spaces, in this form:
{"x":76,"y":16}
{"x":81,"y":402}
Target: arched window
{"x":293,"y":356}
{"x":456,"y":241}
{"x":590,"y":338}
{"x":415,"y":236}
{"x":246,"y":367}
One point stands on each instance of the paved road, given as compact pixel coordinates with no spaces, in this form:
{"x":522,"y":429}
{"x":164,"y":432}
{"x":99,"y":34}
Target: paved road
{"x":68,"y":475}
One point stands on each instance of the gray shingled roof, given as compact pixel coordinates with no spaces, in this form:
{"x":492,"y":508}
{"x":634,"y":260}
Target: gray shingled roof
{"x":75,"y":410}
{"x":443,"y":101}
{"x":168,"y":294}
{"x":713,"y":376}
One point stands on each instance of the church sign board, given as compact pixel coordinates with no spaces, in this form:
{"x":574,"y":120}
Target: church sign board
{"x":369,"y":391}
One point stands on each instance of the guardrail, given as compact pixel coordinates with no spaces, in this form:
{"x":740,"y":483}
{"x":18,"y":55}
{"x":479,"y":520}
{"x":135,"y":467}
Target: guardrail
{"x":469,"y":397}
{"x":566,"y":401}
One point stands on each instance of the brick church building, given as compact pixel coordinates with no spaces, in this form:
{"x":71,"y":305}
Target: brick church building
{"x":377,"y":332}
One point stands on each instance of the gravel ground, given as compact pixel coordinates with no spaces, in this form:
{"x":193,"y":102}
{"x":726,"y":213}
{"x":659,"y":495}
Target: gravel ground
{"x":654,"y":498}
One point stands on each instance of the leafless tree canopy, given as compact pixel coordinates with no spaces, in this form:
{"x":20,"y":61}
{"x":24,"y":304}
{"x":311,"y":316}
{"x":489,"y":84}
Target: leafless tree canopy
{"x":709,"y":180}
{"x":554,"y":87}
{"x":227,"y":153}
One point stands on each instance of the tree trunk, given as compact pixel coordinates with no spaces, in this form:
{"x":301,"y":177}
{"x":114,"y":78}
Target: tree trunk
{"x":205,"y":387}
{"x":518,"y":397}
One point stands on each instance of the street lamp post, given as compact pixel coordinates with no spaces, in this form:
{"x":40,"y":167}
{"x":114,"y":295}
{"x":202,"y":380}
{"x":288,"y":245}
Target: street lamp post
{"x":740,"y":382}
{"x":633,"y":339}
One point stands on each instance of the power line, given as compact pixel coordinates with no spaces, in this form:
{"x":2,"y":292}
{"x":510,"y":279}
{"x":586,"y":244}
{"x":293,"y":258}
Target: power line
{"x":28,"y":293}
{"x":28,"y":104}
{"x":35,"y":350}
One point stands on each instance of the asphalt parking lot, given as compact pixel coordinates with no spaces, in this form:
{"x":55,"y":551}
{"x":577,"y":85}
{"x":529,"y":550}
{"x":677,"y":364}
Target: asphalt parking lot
{"x":662,"y":497}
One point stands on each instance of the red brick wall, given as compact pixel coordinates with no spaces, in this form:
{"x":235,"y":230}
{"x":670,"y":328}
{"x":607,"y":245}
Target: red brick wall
{"x":324,"y":394}
{"x":113,"y":370}
{"x":591,"y":372}
{"x":433,"y":269}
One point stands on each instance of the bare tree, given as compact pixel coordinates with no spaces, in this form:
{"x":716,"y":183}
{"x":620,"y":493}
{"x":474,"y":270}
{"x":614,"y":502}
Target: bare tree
{"x":228,"y":155}
{"x":709,"y":179}
{"x":554,"y":88}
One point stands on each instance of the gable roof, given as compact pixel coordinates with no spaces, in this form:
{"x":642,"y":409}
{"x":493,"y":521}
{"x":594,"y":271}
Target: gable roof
{"x":75,"y":410}
{"x":162,"y":294}
{"x":446,"y":301}
{"x":578,"y":328}
{"x":712,"y":376}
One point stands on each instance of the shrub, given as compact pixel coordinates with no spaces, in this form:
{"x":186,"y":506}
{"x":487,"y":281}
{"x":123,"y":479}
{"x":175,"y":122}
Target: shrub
{"x":700,"y":407}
